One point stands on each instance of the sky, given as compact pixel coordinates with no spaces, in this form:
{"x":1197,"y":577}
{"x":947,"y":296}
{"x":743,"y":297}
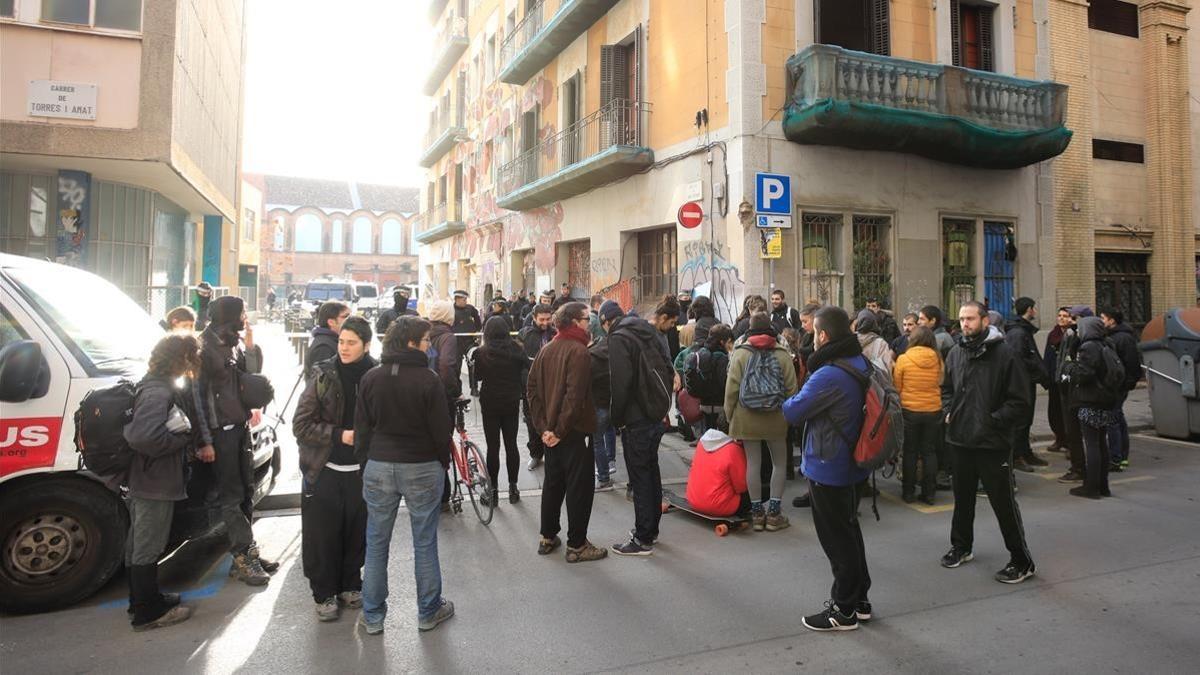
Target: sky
{"x":333,"y":89}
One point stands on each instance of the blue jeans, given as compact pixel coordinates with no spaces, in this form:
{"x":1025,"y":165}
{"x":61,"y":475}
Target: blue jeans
{"x":640,"y":440}
{"x":421,"y":486}
{"x":1118,"y":434}
{"x":604,"y":444}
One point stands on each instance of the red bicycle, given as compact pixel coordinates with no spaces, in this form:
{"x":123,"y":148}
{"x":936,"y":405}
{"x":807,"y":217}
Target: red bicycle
{"x":469,"y":469}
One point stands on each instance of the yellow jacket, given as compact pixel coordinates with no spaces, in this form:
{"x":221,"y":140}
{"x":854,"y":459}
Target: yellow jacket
{"x":918,"y":378}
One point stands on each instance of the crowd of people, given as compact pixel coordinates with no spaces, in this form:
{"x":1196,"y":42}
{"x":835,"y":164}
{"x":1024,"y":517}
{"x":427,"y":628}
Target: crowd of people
{"x":580,"y":376}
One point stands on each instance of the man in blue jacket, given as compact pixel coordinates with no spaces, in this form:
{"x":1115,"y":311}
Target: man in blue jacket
{"x":830,"y":407}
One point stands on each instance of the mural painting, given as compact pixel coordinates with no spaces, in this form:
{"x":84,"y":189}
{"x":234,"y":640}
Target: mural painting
{"x":707,"y":272}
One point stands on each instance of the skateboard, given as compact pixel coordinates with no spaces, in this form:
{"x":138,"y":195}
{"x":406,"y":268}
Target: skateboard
{"x":724,"y":524}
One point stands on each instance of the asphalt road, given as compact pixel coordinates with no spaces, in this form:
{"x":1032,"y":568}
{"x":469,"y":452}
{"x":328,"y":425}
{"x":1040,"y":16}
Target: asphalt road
{"x":1118,"y":589}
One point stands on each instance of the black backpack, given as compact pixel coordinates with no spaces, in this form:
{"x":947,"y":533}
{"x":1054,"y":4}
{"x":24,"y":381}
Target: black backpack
{"x":100,"y":429}
{"x":656,"y":380}
{"x":1114,"y":369}
{"x":700,"y":377}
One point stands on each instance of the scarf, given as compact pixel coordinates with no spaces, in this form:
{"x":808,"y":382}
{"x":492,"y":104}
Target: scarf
{"x":1056,"y":336}
{"x":573,"y":332}
{"x":841,"y":348}
{"x":973,"y":344}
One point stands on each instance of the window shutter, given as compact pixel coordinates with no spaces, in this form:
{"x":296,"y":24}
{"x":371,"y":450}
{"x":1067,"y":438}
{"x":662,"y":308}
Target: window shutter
{"x":635,"y":70}
{"x":607,"y":58}
{"x":881,"y":29}
{"x":986,"y":44}
{"x":955,"y":36}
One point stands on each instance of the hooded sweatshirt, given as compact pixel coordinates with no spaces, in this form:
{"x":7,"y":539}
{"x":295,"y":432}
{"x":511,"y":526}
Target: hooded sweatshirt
{"x":757,"y":425}
{"x":875,"y":348}
{"x":717,"y":478}
{"x":220,"y":357}
{"x":918,"y":379}
{"x":1088,"y":372}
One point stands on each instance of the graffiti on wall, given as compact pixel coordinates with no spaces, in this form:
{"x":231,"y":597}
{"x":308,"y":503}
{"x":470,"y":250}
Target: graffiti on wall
{"x":74,"y":196}
{"x":604,"y":271}
{"x":707,"y":272}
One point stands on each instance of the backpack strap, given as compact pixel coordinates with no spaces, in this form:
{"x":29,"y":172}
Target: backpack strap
{"x":863,"y":381}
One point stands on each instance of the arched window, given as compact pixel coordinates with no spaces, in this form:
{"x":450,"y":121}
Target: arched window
{"x":308,"y":234}
{"x":338,"y":237}
{"x":362,"y":235}
{"x":391,"y":237}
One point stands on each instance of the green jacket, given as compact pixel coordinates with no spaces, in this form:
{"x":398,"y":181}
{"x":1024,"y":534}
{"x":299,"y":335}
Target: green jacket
{"x":756,"y":425}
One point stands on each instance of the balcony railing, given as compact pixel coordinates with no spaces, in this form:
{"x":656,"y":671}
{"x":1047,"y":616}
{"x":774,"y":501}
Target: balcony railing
{"x":604,"y":146}
{"x":867,"y":101}
{"x":545,"y":31}
{"x":439,"y":222}
{"x":448,"y":46}
{"x":445,"y":132}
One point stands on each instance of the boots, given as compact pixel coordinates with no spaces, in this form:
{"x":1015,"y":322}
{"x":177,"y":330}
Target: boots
{"x":268,"y":566}
{"x":248,"y":569}
{"x":150,"y":608}
{"x":514,"y":495}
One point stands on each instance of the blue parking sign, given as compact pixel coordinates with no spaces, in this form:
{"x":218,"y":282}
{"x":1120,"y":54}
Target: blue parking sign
{"x":773,"y":194}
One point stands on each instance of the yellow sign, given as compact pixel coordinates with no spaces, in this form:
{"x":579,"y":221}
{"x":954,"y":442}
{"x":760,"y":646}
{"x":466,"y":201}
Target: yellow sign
{"x":770,"y":243}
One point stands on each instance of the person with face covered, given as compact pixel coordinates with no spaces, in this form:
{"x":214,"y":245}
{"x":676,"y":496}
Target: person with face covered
{"x":399,"y":308}
{"x":1094,"y":404}
{"x":221,"y":358}
{"x":1068,"y":353}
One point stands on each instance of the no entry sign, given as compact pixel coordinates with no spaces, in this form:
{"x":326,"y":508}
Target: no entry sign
{"x":691,"y":214}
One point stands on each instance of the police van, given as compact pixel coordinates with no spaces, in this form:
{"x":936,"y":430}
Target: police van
{"x":63,"y":333}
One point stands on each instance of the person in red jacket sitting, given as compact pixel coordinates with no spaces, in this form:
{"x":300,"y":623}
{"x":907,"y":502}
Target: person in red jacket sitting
{"x":717,"y":480}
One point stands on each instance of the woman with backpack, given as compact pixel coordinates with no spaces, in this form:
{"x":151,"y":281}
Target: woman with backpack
{"x":500,"y":368}
{"x":1095,"y":400}
{"x":918,"y":379}
{"x":164,"y":435}
{"x":761,"y":378}
{"x":333,"y":515}
{"x":705,"y":372}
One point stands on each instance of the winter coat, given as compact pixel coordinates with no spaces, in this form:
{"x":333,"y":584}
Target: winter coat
{"x":444,"y":360}
{"x":219,"y":383}
{"x":918,"y":379}
{"x":757,"y":425}
{"x":717,"y":477}
{"x":1125,"y":344}
{"x":830,"y":408}
{"x":714,"y":367}
{"x":319,"y":421}
{"x":1019,"y":336}
{"x":601,"y":379}
{"x":1068,"y":352}
{"x":157,"y":470}
{"x":388,"y":317}
{"x":401,"y":412}
{"x":532,"y":339}
{"x":985,"y":393}
{"x":877,"y":350}
{"x":322,"y":347}
{"x":500,"y":371}
{"x":945,"y":341}
{"x":466,"y":320}
{"x":785,"y":317}
{"x":1088,"y":370}
{"x":560,"y":389}
{"x":627,"y":339}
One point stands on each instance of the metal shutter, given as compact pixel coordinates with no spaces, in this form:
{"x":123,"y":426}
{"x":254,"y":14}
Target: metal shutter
{"x":986,"y":44}
{"x":955,"y":37}
{"x":881,"y":29}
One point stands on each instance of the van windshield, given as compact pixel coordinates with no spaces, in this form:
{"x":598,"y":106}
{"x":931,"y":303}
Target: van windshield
{"x":367,"y":292}
{"x":323,"y":292}
{"x":103,"y":326}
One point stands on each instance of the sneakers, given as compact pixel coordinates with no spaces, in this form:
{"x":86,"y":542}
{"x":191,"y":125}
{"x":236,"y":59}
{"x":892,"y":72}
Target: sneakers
{"x":955,"y":557}
{"x":1033,"y":460}
{"x":350,"y":599}
{"x":444,"y":612}
{"x":375,"y":628}
{"x":534,"y":462}
{"x":943,"y":481}
{"x":1071,"y":477}
{"x":328,"y":609}
{"x":548,"y":546}
{"x":489,"y":498}
{"x":514,"y":495}
{"x":1013,"y":574}
{"x":1115,"y":467}
{"x":628,"y":492}
{"x":604,"y":486}
{"x":633,"y":547}
{"x":758,"y":519}
{"x":1084,"y":491}
{"x":908,"y":497}
{"x":862,"y":611}
{"x":1124,"y":464}
{"x":586,"y":553}
{"x":803,"y":501}
{"x":926,"y":500}
{"x":1020,"y":464}
{"x":831,"y":619}
{"x":775,"y":521}
{"x":249,"y":570}
{"x":177,"y":614}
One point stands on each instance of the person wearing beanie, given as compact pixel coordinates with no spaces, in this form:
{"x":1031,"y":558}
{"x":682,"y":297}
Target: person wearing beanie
{"x":1019,"y":334}
{"x":1068,"y":353}
{"x":874,"y":347}
{"x":445,"y":361}
{"x":333,"y":515}
{"x":204,"y":297}
{"x":1094,"y":402}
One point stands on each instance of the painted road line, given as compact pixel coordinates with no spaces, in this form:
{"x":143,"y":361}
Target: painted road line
{"x":1131,"y":479}
{"x":1172,"y":441}
{"x":918,"y":506}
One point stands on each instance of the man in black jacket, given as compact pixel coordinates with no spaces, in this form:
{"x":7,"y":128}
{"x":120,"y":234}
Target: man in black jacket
{"x":324,"y":342}
{"x":783,"y":316}
{"x":642,"y":381}
{"x":533,"y":338}
{"x":604,"y":441}
{"x":1068,"y":353}
{"x":1018,"y":334}
{"x":1125,"y":344}
{"x":399,"y":308}
{"x":985,"y":395}
{"x":888,"y":329}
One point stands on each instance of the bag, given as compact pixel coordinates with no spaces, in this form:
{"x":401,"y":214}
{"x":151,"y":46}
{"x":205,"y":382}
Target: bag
{"x":655,"y":383}
{"x":762,"y":382}
{"x":697,"y":382}
{"x":100,"y":429}
{"x":689,"y":406}
{"x":882,"y":434}
{"x":254,"y":390}
{"x":1114,"y":369}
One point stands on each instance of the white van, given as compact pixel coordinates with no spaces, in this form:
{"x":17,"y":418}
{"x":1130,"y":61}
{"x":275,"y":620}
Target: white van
{"x":367,"y":299}
{"x":62,"y":533}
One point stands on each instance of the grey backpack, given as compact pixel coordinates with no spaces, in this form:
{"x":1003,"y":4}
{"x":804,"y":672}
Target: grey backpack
{"x":762,"y":382}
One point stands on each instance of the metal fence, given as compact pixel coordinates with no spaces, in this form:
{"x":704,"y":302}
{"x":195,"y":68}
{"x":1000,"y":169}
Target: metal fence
{"x":158,"y":300}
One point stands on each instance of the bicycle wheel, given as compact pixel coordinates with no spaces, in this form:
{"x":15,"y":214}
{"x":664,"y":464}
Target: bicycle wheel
{"x":478,"y":484}
{"x":455,"y":484}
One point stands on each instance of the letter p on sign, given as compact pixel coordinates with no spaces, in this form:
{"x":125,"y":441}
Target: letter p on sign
{"x":773,"y":194}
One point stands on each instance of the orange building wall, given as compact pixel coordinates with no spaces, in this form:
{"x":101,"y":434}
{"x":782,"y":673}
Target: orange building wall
{"x":778,"y":43}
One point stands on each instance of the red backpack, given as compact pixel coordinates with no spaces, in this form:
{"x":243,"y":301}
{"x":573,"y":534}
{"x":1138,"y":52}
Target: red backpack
{"x":882,"y":434}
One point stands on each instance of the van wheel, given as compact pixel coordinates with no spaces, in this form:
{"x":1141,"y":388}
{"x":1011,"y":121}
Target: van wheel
{"x":61,"y":542}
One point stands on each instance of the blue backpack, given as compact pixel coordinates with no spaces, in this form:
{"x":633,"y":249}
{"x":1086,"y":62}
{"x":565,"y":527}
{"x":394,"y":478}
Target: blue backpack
{"x":762,"y":382}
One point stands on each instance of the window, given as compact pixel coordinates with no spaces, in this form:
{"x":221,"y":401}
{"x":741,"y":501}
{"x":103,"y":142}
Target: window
{"x":249,"y":224}
{"x":37,"y":211}
{"x":363,"y":237}
{"x":308,"y":234}
{"x":280,"y":235}
{"x":10,"y":332}
{"x":1123,"y":281}
{"x":572,"y":141}
{"x":999,"y":270}
{"x":490,"y":58}
{"x":1113,"y":16}
{"x":391,"y":237}
{"x":114,"y":14}
{"x":872,"y":260}
{"x":8,"y":8}
{"x":861,"y":25}
{"x":820,"y":276}
{"x":1118,"y":151}
{"x":620,"y":92}
{"x":971,"y":35}
{"x":337,"y":238}
{"x":958,"y":264}
{"x":656,"y":264}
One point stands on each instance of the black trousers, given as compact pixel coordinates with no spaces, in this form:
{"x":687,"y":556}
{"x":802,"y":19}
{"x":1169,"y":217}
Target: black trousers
{"x":333,"y":521}
{"x":537,"y":449}
{"x":1054,"y":413}
{"x":501,"y":419}
{"x":1097,"y":458}
{"x":568,"y":478}
{"x":233,"y":474}
{"x":1074,"y":435}
{"x":1021,"y":447}
{"x":921,"y":432}
{"x":640,"y":441}
{"x":835,"y":516}
{"x":944,"y":456}
{"x":993,"y":469}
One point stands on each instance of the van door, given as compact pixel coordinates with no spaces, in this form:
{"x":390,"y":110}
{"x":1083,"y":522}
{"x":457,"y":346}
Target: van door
{"x":35,"y":434}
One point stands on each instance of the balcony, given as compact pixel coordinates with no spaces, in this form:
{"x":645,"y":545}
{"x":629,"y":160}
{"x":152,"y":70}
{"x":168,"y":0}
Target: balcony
{"x":538,"y":39}
{"x":438,"y":223}
{"x":448,"y":46}
{"x":596,"y":150}
{"x":446,"y":132}
{"x":950,"y":114}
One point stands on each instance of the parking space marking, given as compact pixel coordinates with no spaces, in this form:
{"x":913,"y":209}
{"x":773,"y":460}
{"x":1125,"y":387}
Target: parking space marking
{"x":1131,"y":479}
{"x":1172,"y":441}
{"x":918,"y":506}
